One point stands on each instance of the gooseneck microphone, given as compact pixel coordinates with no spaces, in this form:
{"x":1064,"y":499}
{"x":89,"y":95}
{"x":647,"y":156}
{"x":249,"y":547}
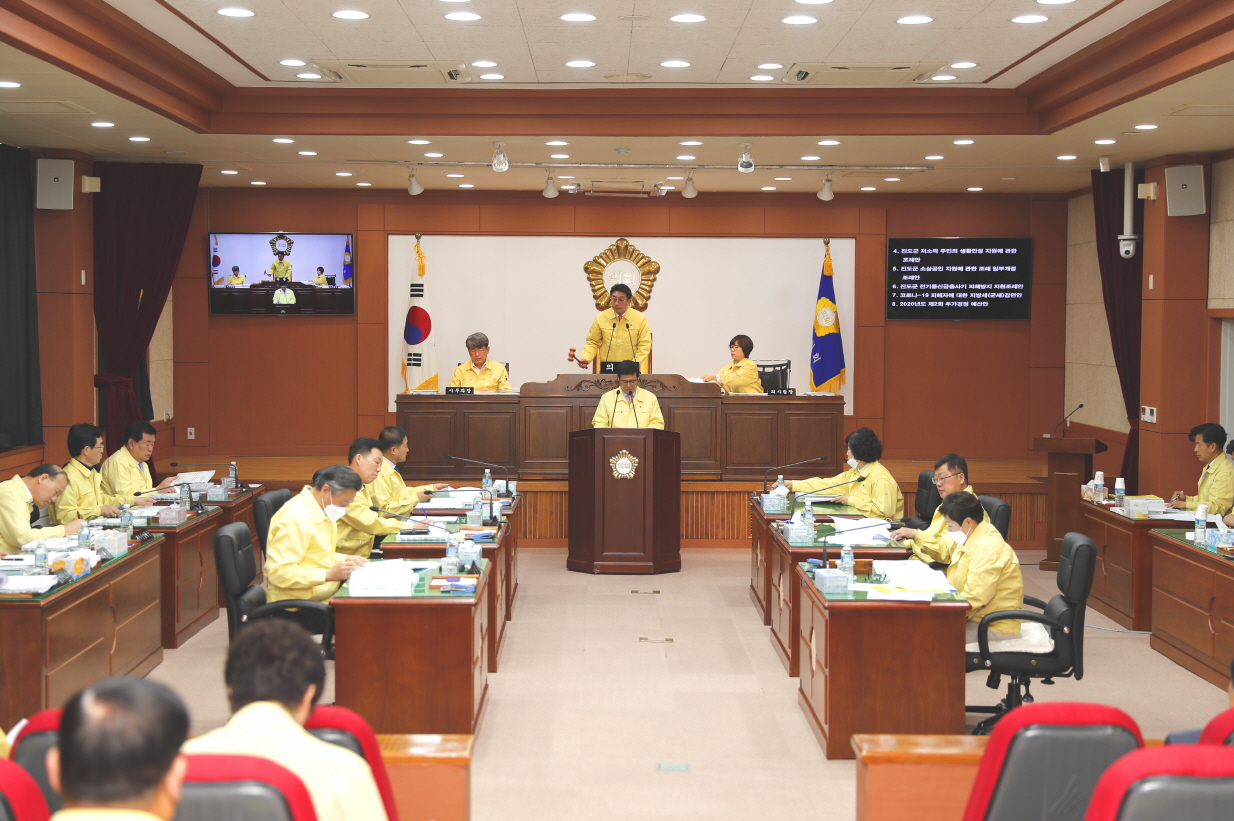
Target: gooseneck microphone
{"x":630,"y":336}
{"x":403,"y":518}
{"x":239,"y":483}
{"x":883,"y":523}
{"x":505,"y":494}
{"x":767,"y":472}
{"x":1064,"y":419}
{"x":609,"y":350}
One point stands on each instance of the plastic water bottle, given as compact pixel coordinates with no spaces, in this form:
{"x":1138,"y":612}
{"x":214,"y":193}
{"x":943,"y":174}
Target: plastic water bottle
{"x":126,"y":521}
{"x":487,"y":482}
{"x":1120,"y":492}
{"x":476,"y":515}
{"x":1201,"y":525}
{"x":233,"y":473}
{"x":186,"y":495}
{"x":1099,"y":487}
{"x":780,"y":481}
{"x":83,"y":536}
{"x":40,"y":556}
{"x":807,"y":516}
{"x":847,"y":563}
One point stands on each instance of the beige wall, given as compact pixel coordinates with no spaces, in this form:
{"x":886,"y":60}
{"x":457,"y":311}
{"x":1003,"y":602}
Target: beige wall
{"x":1221,"y":238}
{"x":162,"y":363}
{"x":1090,"y":374}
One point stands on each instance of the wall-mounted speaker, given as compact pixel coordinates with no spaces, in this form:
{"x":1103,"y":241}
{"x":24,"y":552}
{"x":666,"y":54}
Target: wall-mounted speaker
{"x":54,"y":189}
{"x":1184,"y":191}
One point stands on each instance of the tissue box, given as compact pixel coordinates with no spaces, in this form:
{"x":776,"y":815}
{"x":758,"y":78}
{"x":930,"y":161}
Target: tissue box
{"x":774,"y":504}
{"x":1137,"y":507}
{"x":172,"y":516}
{"x":76,"y":563}
{"x":830,"y":580}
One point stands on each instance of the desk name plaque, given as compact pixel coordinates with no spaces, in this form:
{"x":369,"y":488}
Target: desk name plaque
{"x":462,"y":391}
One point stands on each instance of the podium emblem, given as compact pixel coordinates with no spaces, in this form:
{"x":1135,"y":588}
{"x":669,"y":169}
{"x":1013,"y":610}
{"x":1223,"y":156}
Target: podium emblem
{"x":623,"y":465}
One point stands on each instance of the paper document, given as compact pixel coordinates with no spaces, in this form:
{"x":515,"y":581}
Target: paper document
{"x":911,"y":574}
{"x":193,"y":477}
{"x":898,"y":595}
{"x":697,"y":379}
{"x":383,"y":578}
{"x":859,"y":531}
{"x":27,"y":584}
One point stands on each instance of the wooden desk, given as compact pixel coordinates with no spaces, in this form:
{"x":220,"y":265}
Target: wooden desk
{"x":190,"y":581}
{"x":104,"y":624}
{"x":760,"y":548}
{"x":414,"y":664}
{"x":879,"y":667}
{"x":1123,"y":577}
{"x":430,"y":775}
{"x":1193,"y":606}
{"x":923,"y":777}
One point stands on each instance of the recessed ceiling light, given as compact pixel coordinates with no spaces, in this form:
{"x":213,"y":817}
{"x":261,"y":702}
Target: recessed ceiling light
{"x":783,"y":179}
{"x":811,"y":158}
{"x":1030,"y":18}
{"x":465,"y":185}
{"x":676,"y":178}
{"x":762,"y":78}
{"x":685,"y":156}
{"x":813,"y":2}
{"x":229,"y":172}
{"x":768,"y":188}
{"x":688,"y":18}
{"x":868,"y":188}
{"x":799,"y":20}
{"x":936,"y":157}
{"x":235,"y":12}
{"x":484,"y":64}
{"x":675,"y":64}
{"x":962,"y":142}
{"x":256,"y":182}
{"x":1006,"y":179}
{"x":307,"y":153}
{"x":364,"y":183}
{"x":463,"y":16}
{"x":564,"y":177}
{"x":828,"y":142}
{"x":292,"y":63}
{"x":492,"y":76}
{"x":342,"y":173}
{"x":433,"y":154}
{"x":690,"y":142}
{"x":975,"y":189}
{"x":1066,"y":156}
{"x":770,"y":66}
{"x":559,"y":156}
{"x":139,"y":139}
{"x":1146,"y":127}
{"x":942,"y":78}
{"x":454,"y":175}
{"x":914,"y":20}
{"x":282,"y":140}
{"x":309,"y":76}
{"x":964,"y":64}
{"x":580,"y":64}
{"x":1104,"y":142}
{"x":556,"y":142}
{"x":891,"y":179}
{"x":578,"y":17}
{"x":103,"y":124}
{"x":9,"y":84}
{"x":351,"y":14}
{"x":418,"y":142}
{"x":1055,"y":2}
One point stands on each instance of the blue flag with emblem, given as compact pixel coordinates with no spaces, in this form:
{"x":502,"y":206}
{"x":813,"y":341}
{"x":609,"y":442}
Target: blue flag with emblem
{"x":347,"y":269}
{"x":827,"y":352}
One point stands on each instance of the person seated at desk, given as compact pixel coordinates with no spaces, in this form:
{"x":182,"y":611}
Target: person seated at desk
{"x":280,"y":268}
{"x":320,"y":280}
{"x":618,"y":332}
{"x":126,"y":471}
{"x":236,"y":277}
{"x":21,"y":496}
{"x":389,"y":491}
{"x":274,"y":675}
{"x":301,"y":562}
{"x":878,"y":496}
{"x":984,"y":569}
{"x":740,"y":375}
{"x":480,"y":373}
{"x":84,"y":497}
{"x":284,"y":295}
{"x":117,"y":756}
{"x":1216,"y":480}
{"x":359,"y":525}
{"x":629,"y":406}
{"x":934,"y":544}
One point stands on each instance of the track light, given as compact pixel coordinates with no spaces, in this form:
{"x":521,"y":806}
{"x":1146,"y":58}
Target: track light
{"x":746,"y":164}
{"x":550,"y":190}
{"x":500,"y":161}
{"x":825,"y":193}
{"x":413,"y":185}
{"x":688,"y":190}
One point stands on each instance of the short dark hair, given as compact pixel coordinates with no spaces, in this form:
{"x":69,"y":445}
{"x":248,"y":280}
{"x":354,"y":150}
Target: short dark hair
{"x":81,"y":436}
{"x":744,"y":341}
{"x":961,"y":505}
{"x":955,"y":463}
{"x":340,"y":478}
{"x":363,"y":445}
{"x":477,"y":340}
{"x":1210,"y":432}
{"x":319,"y":268}
{"x":391,"y":437}
{"x":273,"y":660}
{"x":864,"y":445}
{"x":118,"y":739}
{"x":48,"y":469}
{"x":235,"y":267}
{"x":622,"y":288}
{"x":137,"y":429}
{"x":627,"y":367}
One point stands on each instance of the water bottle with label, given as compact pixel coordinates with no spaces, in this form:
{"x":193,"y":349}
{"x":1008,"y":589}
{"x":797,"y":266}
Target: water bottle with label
{"x":1099,"y":487}
{"x":847,"y":563}
{"x":807,"y":517}
{"x":233,"y":473}
{"x":126,"y":521}
{"x":1120,"y":492}
{"x":487,"y":482}
{"x":450,"y":564}
{"x":186,"y":495}
{"x":40,"y":557}
{"x":780,"y":481}
{"x":475,"y":516}
{"x":1201,"y":525}
{"x":83,"y":536}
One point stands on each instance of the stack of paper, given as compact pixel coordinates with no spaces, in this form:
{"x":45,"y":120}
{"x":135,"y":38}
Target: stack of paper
{"x":383,"y":578}
{"x":193,"y":477}
{"x":859,"y":531}
{"x":913,"y":575}
{"x":27,"y":584}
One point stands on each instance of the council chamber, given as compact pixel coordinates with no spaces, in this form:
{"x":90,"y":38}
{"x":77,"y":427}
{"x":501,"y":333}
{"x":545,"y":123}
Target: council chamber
{"x":616,"y":411}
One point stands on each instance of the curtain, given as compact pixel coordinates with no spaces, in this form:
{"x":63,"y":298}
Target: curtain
{"x":1121,"y":283}
{"x":21,"y":401}
{"x":141,"y":218}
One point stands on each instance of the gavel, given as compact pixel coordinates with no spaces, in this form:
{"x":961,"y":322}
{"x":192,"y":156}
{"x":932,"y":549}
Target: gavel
{"x":570,"y":358}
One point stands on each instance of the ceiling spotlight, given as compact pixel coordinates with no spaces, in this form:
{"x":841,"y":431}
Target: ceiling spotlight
{"x":350,"y":15}
{"x":564,"y":177}
{"x":9,"y":84}
{"x":484,"y":64}
{"x":783,"y":179}
{"x":580,"y":64}
{"x":556,"y":142}
{"x":292,"y":63}
{"x":577,"y":17}
{"x":463,"y":16}
{"x":1104,"y":142}
{"x":1030,"y":18}
{"x":103,"y":124}
{"x":500,"y":161}
{"x":675,"y":64}
{"x":688,"y":190}
{"x":1055,"y":2}
{"x":964,"y":64}
{"x":813,"y":2}
{"x":670,"y":178}
{"x":962,"y":142}
{"x":256,"y":182}
{"x":413,"y":185}
{"x":914,"y":20}
{"x":768,"y":188}
{"x":308,"y":75}
{"x":942,"y":78}
{"x":364,"y":183}
{"x":235,"y":12}
{"x":550,"y":190}
{"x":688,"y":18}
{"x":342,"y":173}
{"x":891,"y":179}
{"x":746,"y":163}
{"x":454,"y":175}
{"x":465,"y":185}
{"x":825,"y":193}
{"x":282,"y":140}
{"x":868,"y":188}
{"x":799,"y":20}
{"x":975,"y":188}
{"x":769,"y":66}
{"x":418,"y":142}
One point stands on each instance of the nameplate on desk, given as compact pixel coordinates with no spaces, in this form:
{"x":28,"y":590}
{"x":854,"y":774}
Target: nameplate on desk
{"x":608,"y":366}
{"x":782,"y":392}
{"x":464,"y":391}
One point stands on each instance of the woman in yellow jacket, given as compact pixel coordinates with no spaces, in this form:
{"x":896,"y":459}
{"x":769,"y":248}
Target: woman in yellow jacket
{"x":867,"y":485}
{"x":740,"y":375}
{"x":984,"y":569}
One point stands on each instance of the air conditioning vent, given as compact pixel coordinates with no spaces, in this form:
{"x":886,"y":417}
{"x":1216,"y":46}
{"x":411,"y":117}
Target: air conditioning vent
{"x":394,"y":72}
{"x":616,"y":188}
{"x":42,"y":107}
{"x":859,"y":74}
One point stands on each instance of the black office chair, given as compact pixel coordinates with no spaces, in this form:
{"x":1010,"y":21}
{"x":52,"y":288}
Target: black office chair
{"x":1195,"y":782}
{"x":1064,"y":616}
{"x":999,"y":513}
{"x":264,"y":508}
{"x":774,"y":373}
{"x":246,"y":601}
{"x":925,"y":503}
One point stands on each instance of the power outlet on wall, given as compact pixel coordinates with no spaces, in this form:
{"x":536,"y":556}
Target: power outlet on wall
{"x":1148,"y":414}
{"x":191,"y":433}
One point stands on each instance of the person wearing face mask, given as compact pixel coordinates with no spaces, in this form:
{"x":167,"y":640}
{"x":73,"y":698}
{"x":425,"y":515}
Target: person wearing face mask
{"x":934,"y":544}
{"x":629,"y":406}
{"x":878,"y":497}
{"x":301,"y":562}
{"x":984,"y":569}
{"x":126,"y":471}
{"x":618,"y":332}
{"x":359,"y":525}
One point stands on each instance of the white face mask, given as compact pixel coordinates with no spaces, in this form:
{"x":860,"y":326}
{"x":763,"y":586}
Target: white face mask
{"x":852,"y":463}
{"x":334,"y":512}
{"x":958,"y":536}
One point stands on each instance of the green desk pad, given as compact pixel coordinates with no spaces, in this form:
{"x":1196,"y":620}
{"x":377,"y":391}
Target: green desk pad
{"x":421,"y":590}
{"x":860,"y":595}
{"x":55,"y":590}
{"x":1180,"y":537}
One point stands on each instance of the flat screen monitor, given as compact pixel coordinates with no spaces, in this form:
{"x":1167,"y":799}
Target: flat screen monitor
{"x":959,"y":278}
{"x":282,"y":273}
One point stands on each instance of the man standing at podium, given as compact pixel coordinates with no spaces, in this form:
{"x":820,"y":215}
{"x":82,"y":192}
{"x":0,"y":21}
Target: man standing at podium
{"x":618,"y":332}
{"x":629,"y":406}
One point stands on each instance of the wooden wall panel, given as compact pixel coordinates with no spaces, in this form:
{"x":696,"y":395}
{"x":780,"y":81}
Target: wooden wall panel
{"x":813,"y":219}
{"x":619,"y":220}
{"x":717,"y":221}
{"x":517,"y":219}
{"x":372,"y":293}
{"x":442,"y":218}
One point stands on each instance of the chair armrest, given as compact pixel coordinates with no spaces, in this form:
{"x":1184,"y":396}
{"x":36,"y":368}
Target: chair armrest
{"x":1035,"y":602}
{"x":983,"y":629}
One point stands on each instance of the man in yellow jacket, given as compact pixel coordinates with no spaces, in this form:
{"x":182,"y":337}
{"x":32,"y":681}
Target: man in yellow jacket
{"x":388,"y":490}
{"x":84,"y":498}
{"x":629,"y":406}
{"x":876,"y":494}
{"x":127,"y":471}
{"x":480,"y":373}
{"x":933,"y":544}
{"x":236,"y":277}
{"x":20,"y":496}
{"x":1217,"y":479}
{"x":984,"y":569}
{"x":618,"y":332}
{"x":358,"y":526}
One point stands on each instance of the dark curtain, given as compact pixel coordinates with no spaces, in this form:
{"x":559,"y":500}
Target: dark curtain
{"x":1121,"y":283}
{"x":141,"y":389}
{"x":21,"y":401}
{"x":141,"y":217}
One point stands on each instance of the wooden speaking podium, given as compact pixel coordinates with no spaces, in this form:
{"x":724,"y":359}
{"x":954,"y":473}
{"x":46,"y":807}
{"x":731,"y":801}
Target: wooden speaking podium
{"x":625,"y":500}
{"x":1069,"y":465}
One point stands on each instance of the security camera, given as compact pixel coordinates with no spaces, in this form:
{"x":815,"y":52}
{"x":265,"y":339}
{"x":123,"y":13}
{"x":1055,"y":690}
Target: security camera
{"x":1126,"y":246}
{"x":746,"y":164}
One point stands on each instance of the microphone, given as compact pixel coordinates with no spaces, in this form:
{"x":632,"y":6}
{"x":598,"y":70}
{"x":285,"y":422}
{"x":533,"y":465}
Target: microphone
{"x":840,"y":484}
{"x":613,"y":411}
{"x":609,"y":350}
{"x":1065,"y":418}
{"x":767,"y":472}
{"x":151,"y":490}
{"x":492,"y":520}
{"x":239,"y":484}
{"x":401,"y":517}
{"x":505,"y":494}
{"x":883,"y":523}
{"x":630,"y":337}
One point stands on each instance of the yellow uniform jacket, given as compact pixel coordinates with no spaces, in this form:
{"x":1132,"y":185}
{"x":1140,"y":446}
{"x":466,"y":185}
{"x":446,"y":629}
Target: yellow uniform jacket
{"x":359,"y":525}
{"x":123,"y":475}
{"x":1216,"y":487}
{"x":237,"y":279}
{"x":632,"y":326}
{"x":986,"y":572}
{"x":933,"y":544}
{"x":320,"y":280}
{"x":492,"y":377}
{"x":299,"y":551}
{"x":878,"y":497}
{"x":740,"y":377}
{"x":280,"y":270}
{"x":83,"y":496}
{"x":16,"y":505}
{"x":389,"y":492}
{"x":615,"y":412}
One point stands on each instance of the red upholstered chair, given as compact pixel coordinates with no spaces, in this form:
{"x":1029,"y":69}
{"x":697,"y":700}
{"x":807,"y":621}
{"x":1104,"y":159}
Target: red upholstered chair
{"x":1220,"y":730}
{"x":346,"y":728}
{"x":41,"y":733}
{"x":1192,"y":782}
{"x":1042,"y":761}
{"x":242,"y":786}
{"x":20,"y":796}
